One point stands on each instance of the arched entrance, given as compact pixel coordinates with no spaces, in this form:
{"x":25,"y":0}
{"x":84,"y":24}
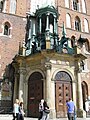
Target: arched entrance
{"x":35,"y":93}
{"x":84,"y":93}
{"x":63,"y":90}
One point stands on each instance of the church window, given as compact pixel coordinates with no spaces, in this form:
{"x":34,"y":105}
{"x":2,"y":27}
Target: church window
{"x":87,"y":46}
{"x":13,"y":6}
{"x":67,"y":3}
{"x":76,"y":5}
{"x":86,"y":28}
{"x":68,"y":20}
{"x":2,"y":5}
{"x":83,"y":6}
{"x":77,"y":24}
{"x":61,"y":75}
{"x":7,"y":29}
{"x":73,"y":42}
{"x":82,"y":65}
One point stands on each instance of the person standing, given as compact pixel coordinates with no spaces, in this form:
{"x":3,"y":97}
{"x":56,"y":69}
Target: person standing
{"x":70,"y":109}
{"x":87,"y":107}
{"x":16,"y":110}
{"x":41,"y":108}
{"x":21,"y":112}
{"x":45,"y":111}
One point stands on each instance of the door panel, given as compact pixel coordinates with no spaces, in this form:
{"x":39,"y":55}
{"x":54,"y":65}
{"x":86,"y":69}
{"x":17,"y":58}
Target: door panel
{"x":63,"y":92}
{"x":35,"y":94}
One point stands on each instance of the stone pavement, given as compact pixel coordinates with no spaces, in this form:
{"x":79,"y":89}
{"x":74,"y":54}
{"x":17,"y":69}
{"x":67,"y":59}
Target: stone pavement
{"x":9,"y":117}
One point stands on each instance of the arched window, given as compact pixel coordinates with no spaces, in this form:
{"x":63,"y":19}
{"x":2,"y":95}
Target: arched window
{"x":86,"y":25}
{"x":82,"y":65}
{"x":87,"y":46}
{"x":76,"y":5}
{"x":1,"y":5}
{"x":84,"y":93}
{"x":73,"y":42}
{"x":13,"y":6}
{"x":83,"y":6}
{"x":6,"y":29}
{"x":67,"y":3}
{"x":77,"y":24}
{"x":68,"y":20}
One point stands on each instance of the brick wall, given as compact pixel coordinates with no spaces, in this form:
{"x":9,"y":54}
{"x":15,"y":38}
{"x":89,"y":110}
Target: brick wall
{"x":70,"y":31}
{"x":9,"y":45}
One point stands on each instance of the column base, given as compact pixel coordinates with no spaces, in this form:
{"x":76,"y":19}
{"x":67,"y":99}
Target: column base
{"x":81,"y":113}
{"x":52,"y":114}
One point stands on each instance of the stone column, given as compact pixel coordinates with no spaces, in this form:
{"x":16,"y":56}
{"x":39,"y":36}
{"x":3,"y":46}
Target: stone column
{"x":47,"y":22}
{"x":74,"y":92}
{"x":52,"y":103}
{"x":80,"y":93}
{"x":80,"y":111}
{"x":21,"y":84}
{"x":47,"y":33}
{"x":40,"y":24}
{"x":54,"y":24}
{"x":47,"y":83}
{"x":50,"y":91}
{"x":15,"y":88}
{"x":79,"y":99}
{"x":25,"y":95}
{"x":34,"y":28}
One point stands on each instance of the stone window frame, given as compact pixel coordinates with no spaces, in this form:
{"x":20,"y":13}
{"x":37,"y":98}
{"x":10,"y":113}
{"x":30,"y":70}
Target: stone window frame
{"x":67,"y":3}
{"x":6,"y":29}
{"x":13,"y":5}
{"x":84,"y":8}
{"x":76,"y":5}
{"x":86,"y":25}
{"x":77,"y":24}
{"x":68,"y":20}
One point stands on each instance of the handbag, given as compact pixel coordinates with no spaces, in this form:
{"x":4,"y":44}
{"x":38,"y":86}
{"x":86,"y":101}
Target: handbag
{"x":47,"y":111}
{"x":22,"y":112}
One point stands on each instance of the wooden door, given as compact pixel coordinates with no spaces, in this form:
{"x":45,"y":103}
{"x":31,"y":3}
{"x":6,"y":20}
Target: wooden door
{"x":35,"y":94}
{"x":63,"y":92}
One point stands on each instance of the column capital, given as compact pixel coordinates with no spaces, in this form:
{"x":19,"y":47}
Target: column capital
{"x":22,"y":70}
{"x":16,"y":74}
{"x":48,"y":66}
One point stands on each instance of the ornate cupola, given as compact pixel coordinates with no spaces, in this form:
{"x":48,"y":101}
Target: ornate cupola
{"x":47,"y":27}
{"x":42,"y":35}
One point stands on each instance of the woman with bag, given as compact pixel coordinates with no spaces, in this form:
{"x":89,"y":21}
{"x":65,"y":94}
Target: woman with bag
{"x":21,"y":111}
{"x":46,"y":111}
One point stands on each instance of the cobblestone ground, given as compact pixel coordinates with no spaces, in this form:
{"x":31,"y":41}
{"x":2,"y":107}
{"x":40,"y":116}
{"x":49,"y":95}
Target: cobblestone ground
{"x":9,"y":117}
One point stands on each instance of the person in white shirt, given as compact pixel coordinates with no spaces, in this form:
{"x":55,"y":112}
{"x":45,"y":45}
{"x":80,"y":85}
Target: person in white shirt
{"x":41,"y":108}
{"x":87,"y":107}
{"x":16,"y":110}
